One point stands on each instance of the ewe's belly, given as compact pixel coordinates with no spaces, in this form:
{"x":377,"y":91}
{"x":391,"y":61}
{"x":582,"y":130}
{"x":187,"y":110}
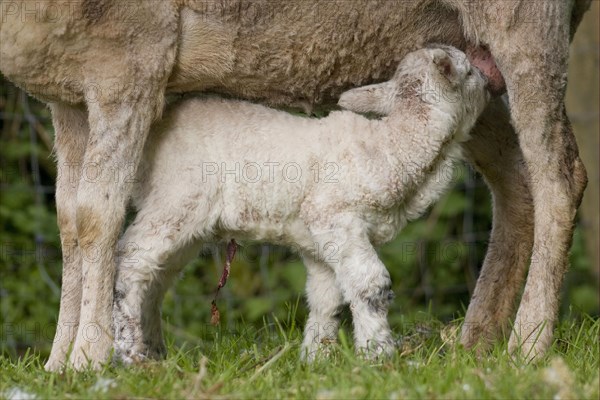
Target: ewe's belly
{"x":307,"y":51}
{"x":31,"y":58}
{"x":280,"y":52}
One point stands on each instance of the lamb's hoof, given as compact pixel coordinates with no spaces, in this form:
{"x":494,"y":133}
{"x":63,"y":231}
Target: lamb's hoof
{"x":378,"y":350}
{"x":130,"y":355}
{"x":315,"y":351}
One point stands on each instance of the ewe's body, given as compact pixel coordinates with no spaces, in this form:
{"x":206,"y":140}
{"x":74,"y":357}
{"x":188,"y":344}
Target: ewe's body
{"x":332,"y":188}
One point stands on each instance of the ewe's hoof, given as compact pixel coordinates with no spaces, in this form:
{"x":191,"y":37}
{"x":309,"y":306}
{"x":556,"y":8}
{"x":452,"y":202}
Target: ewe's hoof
{"x":55,"y":365}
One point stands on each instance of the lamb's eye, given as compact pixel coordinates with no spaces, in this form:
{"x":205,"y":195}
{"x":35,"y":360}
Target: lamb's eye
{"x":470,"y":73}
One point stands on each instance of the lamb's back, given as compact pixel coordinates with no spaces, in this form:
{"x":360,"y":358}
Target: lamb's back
{"x":256,"y":164}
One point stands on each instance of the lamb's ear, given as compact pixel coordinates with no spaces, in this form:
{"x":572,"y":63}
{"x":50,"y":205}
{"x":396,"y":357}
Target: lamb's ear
{"x":445,"y":65}
{"x":376,"y":98}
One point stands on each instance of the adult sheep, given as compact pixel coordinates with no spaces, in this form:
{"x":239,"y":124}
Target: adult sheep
{"x":104,"y":66}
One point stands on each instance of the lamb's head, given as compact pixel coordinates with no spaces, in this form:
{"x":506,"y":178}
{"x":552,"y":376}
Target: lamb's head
{"x":439,"y":77}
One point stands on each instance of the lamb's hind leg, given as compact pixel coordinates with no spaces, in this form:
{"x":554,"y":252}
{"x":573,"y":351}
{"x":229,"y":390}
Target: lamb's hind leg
{"x":494,"y":151}
{"x":71,"y":127}
{"x":325,"y":301}
{"x":530,"y":43}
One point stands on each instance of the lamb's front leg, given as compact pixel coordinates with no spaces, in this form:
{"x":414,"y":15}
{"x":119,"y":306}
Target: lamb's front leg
{"x":148,"y":264}
{"x":325,"y":301}
{"x":365,"y":284}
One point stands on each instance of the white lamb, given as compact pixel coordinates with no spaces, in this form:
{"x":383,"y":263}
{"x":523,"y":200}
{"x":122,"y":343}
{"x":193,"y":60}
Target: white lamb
{"x":333,"y":188}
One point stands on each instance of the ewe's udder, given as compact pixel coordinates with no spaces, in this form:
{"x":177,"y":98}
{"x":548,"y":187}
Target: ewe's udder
{"x":481,"y":58}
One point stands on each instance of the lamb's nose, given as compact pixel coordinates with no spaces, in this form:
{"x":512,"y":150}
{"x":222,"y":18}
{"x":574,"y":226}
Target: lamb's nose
{"x":486,"y":81}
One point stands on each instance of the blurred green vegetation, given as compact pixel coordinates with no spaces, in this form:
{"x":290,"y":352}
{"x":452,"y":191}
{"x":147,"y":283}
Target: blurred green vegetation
{"x":433,"y":262}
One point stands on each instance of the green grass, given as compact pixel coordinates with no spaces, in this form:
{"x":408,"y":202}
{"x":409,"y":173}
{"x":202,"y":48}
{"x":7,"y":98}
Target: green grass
{"x":249,"y":362}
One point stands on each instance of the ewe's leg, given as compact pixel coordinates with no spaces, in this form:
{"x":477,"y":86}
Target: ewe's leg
{"x":126,"y":65}
{"x":494,"y":150}
{"x":71,"y":127}
{"x":533,"y":58}
{"x":325,"y":302}
{"x":365,"y":284}
{"x":112,"y":155}
{"x":152,"y":252}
